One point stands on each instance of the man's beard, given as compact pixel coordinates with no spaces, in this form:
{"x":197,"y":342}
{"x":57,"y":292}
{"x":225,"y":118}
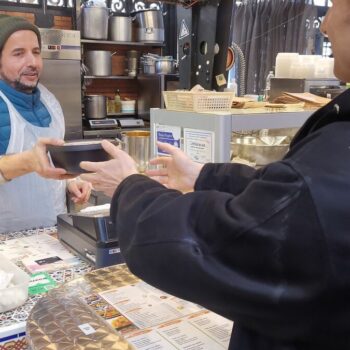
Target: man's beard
{"x":18,"y":85}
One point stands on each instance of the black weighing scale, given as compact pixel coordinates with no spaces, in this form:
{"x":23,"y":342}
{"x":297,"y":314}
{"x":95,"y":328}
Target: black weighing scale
{"x":110,"y":127}
{"x":116,"y":123}
{"x":92,"y":235}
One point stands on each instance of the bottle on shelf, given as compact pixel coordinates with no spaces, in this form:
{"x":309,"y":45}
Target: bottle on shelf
{"x":232,"y":86}
{"x":117,"y":102}
{"x":110,"y":105}
{"x":268,"y":84}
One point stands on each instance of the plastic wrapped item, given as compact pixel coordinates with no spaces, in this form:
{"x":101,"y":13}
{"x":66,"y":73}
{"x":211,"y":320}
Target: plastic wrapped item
{"x":13,"y":285}
{"x":128,"y":106}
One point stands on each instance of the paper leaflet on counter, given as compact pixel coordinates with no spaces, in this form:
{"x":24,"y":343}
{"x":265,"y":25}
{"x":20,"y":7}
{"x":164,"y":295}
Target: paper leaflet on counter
{"x":39,"y":253}
{"x":149,"y":318}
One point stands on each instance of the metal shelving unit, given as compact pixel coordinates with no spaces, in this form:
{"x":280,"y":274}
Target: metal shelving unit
{"x":109,"y":77}
{"x":126,"y":43}
{"x":121,"y":114}
{"x":223,"y":124}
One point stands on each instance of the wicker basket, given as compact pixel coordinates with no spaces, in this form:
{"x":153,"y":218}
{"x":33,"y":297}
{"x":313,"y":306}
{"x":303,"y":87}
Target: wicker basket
{"x":206,"y":101}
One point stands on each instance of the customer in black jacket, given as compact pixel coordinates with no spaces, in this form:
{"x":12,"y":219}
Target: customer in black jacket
{"x":268,"y":249}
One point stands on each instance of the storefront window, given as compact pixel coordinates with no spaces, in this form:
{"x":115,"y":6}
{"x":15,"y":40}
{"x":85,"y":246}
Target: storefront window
{"x":323,"y":3}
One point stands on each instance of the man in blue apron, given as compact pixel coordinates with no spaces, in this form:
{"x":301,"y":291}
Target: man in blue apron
{"x":32,"y":192}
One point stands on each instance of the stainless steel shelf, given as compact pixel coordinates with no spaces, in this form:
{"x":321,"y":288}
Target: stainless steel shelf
{"x":109,"y":77}
{"x":121,"y":114}
{"x":129,"y":43}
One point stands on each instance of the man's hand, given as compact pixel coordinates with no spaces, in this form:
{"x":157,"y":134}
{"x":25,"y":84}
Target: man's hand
{"x":33,"y":160}
{"x":79,"y":190}
{"x":39,"y":161}
{"x":177,"y":172}
{"x":108,"y":175}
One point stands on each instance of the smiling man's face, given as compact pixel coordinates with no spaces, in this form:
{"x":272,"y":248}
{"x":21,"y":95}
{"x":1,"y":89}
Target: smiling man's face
{"x":20,"y":61}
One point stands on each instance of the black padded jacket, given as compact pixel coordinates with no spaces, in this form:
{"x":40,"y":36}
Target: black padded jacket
{"x":268,"y":248}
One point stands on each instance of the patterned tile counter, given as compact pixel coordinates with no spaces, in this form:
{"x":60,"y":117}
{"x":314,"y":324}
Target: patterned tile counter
{"x":106,"y":308}
{"x":13,"y":322}
{"x":112,"y":309}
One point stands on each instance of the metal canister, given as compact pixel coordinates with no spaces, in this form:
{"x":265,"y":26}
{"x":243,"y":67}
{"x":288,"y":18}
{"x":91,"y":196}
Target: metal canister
{"x":120,"y":28}
{"x":99,"y":62}
{"x":95,"y":107}
{"x":95,"y":22}
{"x":132,"y":62}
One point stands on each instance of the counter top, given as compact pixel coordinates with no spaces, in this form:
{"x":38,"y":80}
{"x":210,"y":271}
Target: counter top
{"x":12,"y":323}
{"x":112,"y":309}
{"x":266,"y":110}
{"x":108,"y":308}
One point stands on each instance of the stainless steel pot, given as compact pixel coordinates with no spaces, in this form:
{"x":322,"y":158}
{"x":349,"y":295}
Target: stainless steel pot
{"x":150,"y":25}
{"x":148,"y":62}
{"x":95,"y":107}
{"x":165,"y":65}
{"x":95,"y":22}
{"x":251,"y":149}
{"x":99,"y":62}
{"x":120,"y":28}
{"x":149,"y":68}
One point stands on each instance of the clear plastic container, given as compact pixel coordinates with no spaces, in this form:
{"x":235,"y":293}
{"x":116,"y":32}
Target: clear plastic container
{"x":16,"y":295}
{"x":284,"y":62}
{"x":128,"y":106}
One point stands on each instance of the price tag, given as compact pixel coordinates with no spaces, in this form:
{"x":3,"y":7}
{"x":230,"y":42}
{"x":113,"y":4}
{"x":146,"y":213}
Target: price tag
{"x":87,"y":329}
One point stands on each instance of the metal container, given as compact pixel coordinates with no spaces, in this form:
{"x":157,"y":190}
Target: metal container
{"x":95,"y":107}
{"x":137,"y":145}
{"x":99,"y":62}
{"x":148,"y":62}
{"x":95,"y":22}
{"x":252,"y":150}
{"x":132,"y":62}
{"x":150,"y":25}
{"x":149,"y":68}
{"x":165,"y":65}
{"x":120,"y":28}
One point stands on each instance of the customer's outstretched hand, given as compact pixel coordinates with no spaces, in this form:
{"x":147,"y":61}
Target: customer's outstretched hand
{"x":107,"y":176}
{"x":176,"y":171}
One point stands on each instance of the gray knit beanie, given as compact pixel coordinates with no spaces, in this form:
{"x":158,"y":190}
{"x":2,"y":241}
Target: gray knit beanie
{"x":11,"y":24}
